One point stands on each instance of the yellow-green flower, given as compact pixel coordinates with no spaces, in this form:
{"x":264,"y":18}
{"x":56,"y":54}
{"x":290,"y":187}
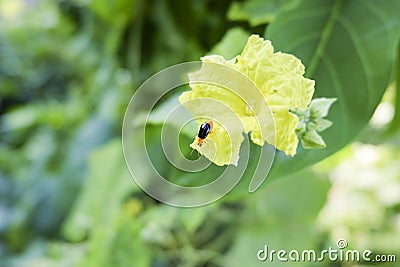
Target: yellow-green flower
{"x":279,"y":78}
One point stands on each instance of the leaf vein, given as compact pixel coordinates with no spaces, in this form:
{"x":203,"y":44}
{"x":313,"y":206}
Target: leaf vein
{"x":360,"y":53}
{"x":325,"y":36}
{"x":338,"y":87}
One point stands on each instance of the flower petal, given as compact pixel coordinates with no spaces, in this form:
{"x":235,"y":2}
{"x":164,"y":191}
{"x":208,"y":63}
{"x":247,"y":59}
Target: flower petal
{"x":279,"y":82}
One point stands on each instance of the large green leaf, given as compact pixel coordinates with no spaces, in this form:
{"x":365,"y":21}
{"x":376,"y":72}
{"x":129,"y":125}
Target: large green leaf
{"x":349,"y":49}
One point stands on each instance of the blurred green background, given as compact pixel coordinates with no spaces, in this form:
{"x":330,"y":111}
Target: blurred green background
{"x":67,"y":72}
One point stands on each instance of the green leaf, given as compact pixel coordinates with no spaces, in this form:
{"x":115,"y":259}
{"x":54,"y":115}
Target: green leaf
{"x":348,"y":48}
{"x":160,"y":115}
{"x":322,"y":124}
{"x":257,"y":12}
{"x":319,"y":107}
{"x":280,"y":222}
{"x":311,"y":139}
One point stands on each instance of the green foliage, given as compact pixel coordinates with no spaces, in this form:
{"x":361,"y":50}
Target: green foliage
{"x":311,"y":121}
{"x":67,"y":72}
{"x":365,"y":209}
{"x":258,"y":12}
{"x":273,"y":220}
{"x":349,"y":48}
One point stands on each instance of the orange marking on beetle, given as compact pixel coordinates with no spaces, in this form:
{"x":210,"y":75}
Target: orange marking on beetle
{"x":204,"y":130}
